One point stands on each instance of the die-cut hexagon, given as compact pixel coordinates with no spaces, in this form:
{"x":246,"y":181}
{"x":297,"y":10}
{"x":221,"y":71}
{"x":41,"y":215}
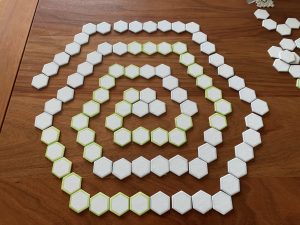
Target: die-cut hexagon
{"x":85,"y":136}
{"x":92,"y":152}
{"x":99,"y":204}
{"x":123,"y":108}
{"x":187,"y":59}
{"x":139,"y":203}
{"x":131,"y":95}
{"x":159,"y":136}
{"x":79,"y":201}
{"x":119,"y":204}
{"x":79,"y":121}
{"x":55,"y":151}
{"x":101,"y":95}
{"x":178,"y":165}
{"x":50,"y":135}
{"x":107,"y":82}
{"x":121,"y":168}
{"x":114,"y":122}
{"x":140,"y":135}
{"x":140,"y":166}
{"x":177,"y":137}
{"x":71,"y":183}
{"x":204,"y":81}
{"x":195,"y":70}
{"x":132,"y":71}
{"x":61,"y":167}
{"x":134,"y":48}
{"x":223,"y":107}
{"x":160,"y":203}
{"x":122,"y":137}
{"x":218,"y":121}
{"x":184,"y":122}
{"x":149,"y":48}
{"x":91,"y":108}
{"x":116,"y":70}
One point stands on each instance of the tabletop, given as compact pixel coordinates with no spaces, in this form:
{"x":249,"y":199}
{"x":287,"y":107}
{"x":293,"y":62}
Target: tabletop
{"x":270,"y":192}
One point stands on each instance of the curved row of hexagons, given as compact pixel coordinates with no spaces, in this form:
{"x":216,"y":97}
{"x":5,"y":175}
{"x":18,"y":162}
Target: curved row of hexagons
{"x":235,"y":82}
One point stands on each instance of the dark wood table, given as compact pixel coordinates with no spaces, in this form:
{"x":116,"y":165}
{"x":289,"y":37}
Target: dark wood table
{"x":270,"y":192}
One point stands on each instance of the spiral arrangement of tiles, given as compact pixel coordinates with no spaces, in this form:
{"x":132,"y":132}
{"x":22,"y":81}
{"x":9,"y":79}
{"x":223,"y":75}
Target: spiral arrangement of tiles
{"x":141,"y":103}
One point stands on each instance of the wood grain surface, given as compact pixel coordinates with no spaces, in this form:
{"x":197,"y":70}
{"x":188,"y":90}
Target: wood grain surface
{"x":15,"y":21}
{"x":270,"y":192}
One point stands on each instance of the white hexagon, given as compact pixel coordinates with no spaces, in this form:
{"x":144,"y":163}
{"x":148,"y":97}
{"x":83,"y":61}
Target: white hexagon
{"x":85,"y":69}
{"x":244,"y":152}
{"x":141,"y":167}
{"x":71,"y":183}
{"x":207,"y":47}
{"x":121,"y":168}
{"x":116,"y":70}
{"x":247,"y":94}
{"x":147,"y":71}
{"x":295,"y":71}
{"x":199,"y":37}
{"x":149,"y":48}
{"x":293,"y":23}
{"x":120,"y":48}
{"x":254,"y":121}
{"x":216,"y":59}
{"x":195,"y":70}
{"x":79,"y":201}
{"x":61,"y":167}
{"x":132,"y":71}
{"x":159,"y":136}
{"x":192,"y":27}
{"x":178,"y":27}
{"x":140,"y":135}
{"x":213,"y":94}
{"x":164,"y":25}
{"x":213,"y":136}
{"x":140,"y":108}
{"x":99,"y":204}
{"x":222,"y":202}
{"x":50,"y":69}
{"x":150,"y":26}
{"x":43,"y":120}
{"x":134,"y":48}
{"x":160,"y":165}
{"x":261,"y":14}
{"x":170,"y":82}
{"x":181,"y":202}
{"x":121,"y":26}
{"x":162,"y":70}
{"x":237,"y":167}
{"x":103,"y":28}
{"x":53,"y":106}
{"x":104,"y":48}
{"x":186,"y":59}
{"x":202,"y":202}
{"x":178,"y":165}
{"x":287,"y":56}
{"x":85,"y":136}
{"x":251,"y":137}
{"x":164,"y":48}
{"x":179,"y":95}
{"x":122,"y":137}
{"x":218,"y":121}
{"x":179,"y":48}
{"x":79,"y":121}
{"x":72,"y":48}
{"x":131,"y":95}
{"x":61,"y":58}
{"x":236,"y":83}
{"x":147,"y":95}
{"x":123,"y":108}
{"x":107,"y":82}
{"x":81,"y":38}
{"x":75,"y":80}
{"x":225,"y":71}
{"x":50,"y":135}
{"x":188,"y":107}
{"x":283,"y":29}
{"x":207,"y":152}
{"x":65,"y":94}
{"x":287,"y":44}
{"x":101,"y":95}
{"x":184,"y":122}
{"x":135,"y":26}
{"x":160,"y":203}
{"x":92,"y":152}
{"x":222,"y":106}
{"x":204,"y":81}
{"x":230,"y":184}
{"x":91,"y":108}
{"x":269,"y":24}
{"x":198,"y":168}
{"x":119,"y":204}
{"x":55,"y":151}
{"x":94,"y":58}
{"x":139,"y":203}
{"x":102,"y":167}
{"x":157,"y":107}
{"x":40,"y":81}
{"x":177,"y":137}
{"x":259,"y":106}
{"x":89,"y":28}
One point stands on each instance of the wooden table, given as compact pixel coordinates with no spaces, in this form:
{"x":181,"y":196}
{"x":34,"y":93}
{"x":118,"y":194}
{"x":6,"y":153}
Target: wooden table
{"x":269,"y":193}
